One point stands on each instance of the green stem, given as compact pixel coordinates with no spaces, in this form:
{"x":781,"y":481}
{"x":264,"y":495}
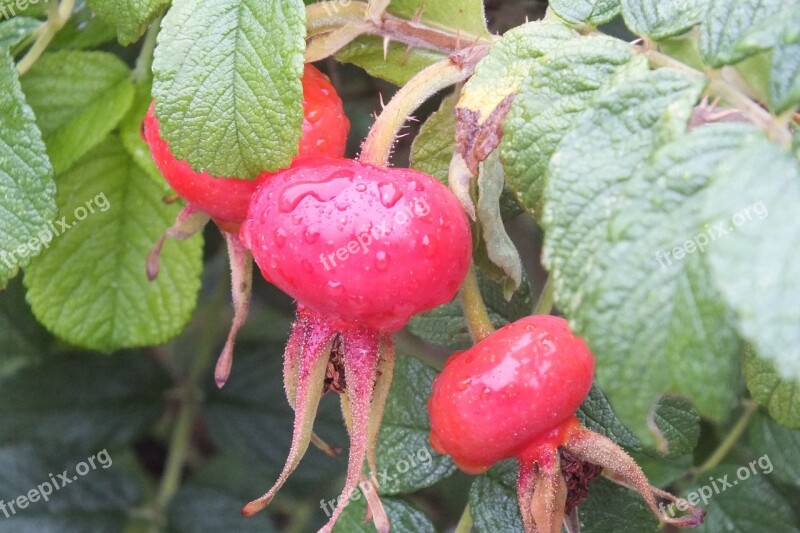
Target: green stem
{"x":378,"y":146}
{"x":144,"y":62}
{"x":57,"y":16}
{"x":465,"y":522}
{"x":545,"y":304}
{"x":750,"y":407}
{"x":478,"y":320}
{"x":190,"y":394}
{"x":720,"y":88}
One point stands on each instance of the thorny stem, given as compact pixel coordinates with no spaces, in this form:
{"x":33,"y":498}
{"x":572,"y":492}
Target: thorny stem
{"x":57,"y":16}
{"x":465,"y":522}
{"x":750,"y":407}
{"x":478,"y":320}
{"x":144,"y":61}
{"x":378,"y":147}
{"x":323,"y":17}
{"x":718,"y":87}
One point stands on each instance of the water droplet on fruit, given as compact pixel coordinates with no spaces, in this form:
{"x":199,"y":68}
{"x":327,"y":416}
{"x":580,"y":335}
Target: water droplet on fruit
{"x":297,"y":220}
{"x":485,"y":393}
{"x":335,"y":288}
{"x":321,"y":143}
{"x":273,"y":264}
{"x":313,"y":115}
{"x":279,"y":236}
{"x":361,"y":187}
{"x":381,"y":261}
{"x":426,"y":245}
{"x":389,"y":194}
{"x":464,"y":384}
{"x":323,"y":191}
{"x":415,"y":185}
{"x":311,"y":234}
{"x":343,"y":206}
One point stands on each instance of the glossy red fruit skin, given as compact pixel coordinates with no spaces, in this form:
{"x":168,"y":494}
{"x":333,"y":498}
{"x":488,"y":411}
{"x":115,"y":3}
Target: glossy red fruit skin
{"x":325,"y":130}
{"x":511,"y":394}
{"x":358,"y":244}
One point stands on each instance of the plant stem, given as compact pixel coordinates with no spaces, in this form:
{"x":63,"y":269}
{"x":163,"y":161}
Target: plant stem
{"x":190,"y":395}
{"x":378,"y":147}
{"x":478,"y":320}
{"x":144,"y":61}
{"x":727,"y":92}
{"x":545,"y":304}
{"x":750,"y":407}
{"x":465,"y":522}
{"x":57,"y":16}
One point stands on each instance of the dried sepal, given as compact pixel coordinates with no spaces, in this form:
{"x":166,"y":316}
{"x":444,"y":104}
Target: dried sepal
{"x":383,"y":382}
{"x":188,"y":222}
{"x":241,"y":290}
{"x":310,"y":378}
{"x":597,"y":449}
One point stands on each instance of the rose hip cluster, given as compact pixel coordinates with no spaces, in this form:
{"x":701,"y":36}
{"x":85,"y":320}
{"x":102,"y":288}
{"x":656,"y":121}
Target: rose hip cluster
{"x":362,"y":249}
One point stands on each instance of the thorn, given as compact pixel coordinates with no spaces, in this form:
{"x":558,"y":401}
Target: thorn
{"x":418,"y":15}
{"x":171,"y":199}
{"x":383,"y":104}
{"x":386,"y":42}
{"x":406,"y":54}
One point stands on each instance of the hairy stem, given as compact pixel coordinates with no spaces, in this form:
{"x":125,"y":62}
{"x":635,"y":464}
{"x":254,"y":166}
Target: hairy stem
{"x":57,"y":16}
{"x":720,"y":88}
{"x":478,"y":320}
{"x":378,"y":147}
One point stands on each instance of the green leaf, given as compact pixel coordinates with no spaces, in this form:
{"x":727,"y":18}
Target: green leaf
{"x":27,"y":190}
{"x":227,"y":84}
{"x":780,"y":397}
{"x":447,"y":326}
{"x":493,"y":500}
{"x":22,"y":339}
{"x":677,"y":426}
{"x":659,"y":19}
{"x":755,"y":261}
{"x":609,"y":213}
{"x":726,"y":22}
{"x":750,"y":504}
{"x":398,"y":67}
{"x":212,"y":498}
{"x":593,"y":12}
{"x":129,"y":17}
{"x":405,"y":458}
{"x":467,"y":17}
{"x":779,"y":32}
{"x":88,"y":401}
{"x":403,"y":517}
{"x":99,"y":500}
{"x":501,"y":73}
{"x":780,"y":447}
{"x":15,"y":31}
{"x":90,"y":287}
{"x":611,"y":508}
{"x":79,"y":98}
{"x":433,"y":147}
{"x":495,"y":244}
{"x":84,"y":30}
{"x":595,"y":413}
{"x":130,"y":133}
{"x":558,"y":88}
